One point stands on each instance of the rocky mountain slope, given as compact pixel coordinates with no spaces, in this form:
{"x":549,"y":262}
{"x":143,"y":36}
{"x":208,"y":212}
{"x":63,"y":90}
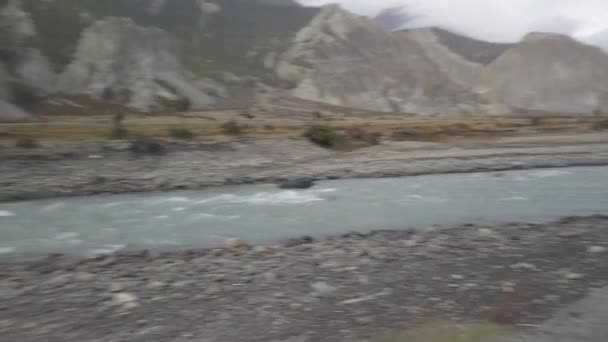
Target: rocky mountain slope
{"x":342,"y":59}
{"x":164,"y":55}
{"x":553,"y":73}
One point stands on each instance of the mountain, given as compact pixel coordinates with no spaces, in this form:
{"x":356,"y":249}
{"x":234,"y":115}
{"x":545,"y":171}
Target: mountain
{"x":346,"y":60}
{"x":552,"y":72}
{"x":162,"y":55}
{"x":600,"y":39}
{"x":475,"y":50}
{"x":145,"y":54}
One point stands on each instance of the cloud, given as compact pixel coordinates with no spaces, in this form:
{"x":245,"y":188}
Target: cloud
{"x":496,"y":20}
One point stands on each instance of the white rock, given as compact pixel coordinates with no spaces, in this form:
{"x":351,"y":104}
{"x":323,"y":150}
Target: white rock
{"x":596,"y":249}
{"x":123,"y":298}
{"x":573,"y":276}
{"x":508,"y":287}
{"x":323,"y":289}
{"x":234,"y":243}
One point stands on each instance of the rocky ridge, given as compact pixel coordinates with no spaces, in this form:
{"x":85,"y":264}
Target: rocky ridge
{"x":342,"y":59}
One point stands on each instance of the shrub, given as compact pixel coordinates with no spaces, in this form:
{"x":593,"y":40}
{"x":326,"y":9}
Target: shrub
{"x":232,"y":127}
{"x":118,"y":131}
{"x":26,"y":142}
{"x":323,"y":136}
{"x":269,"y":127}
{"x":146,"y":145}
{"x":536,"y":121}
{"x":359,"y":135}
{"x":247,"y":114}
{"x":182,"y":104}
{"x":181,"y":133}
{"x":601,"y":125}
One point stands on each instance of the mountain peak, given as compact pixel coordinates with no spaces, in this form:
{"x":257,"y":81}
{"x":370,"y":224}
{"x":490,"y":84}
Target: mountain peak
{"x":532,"y":36}
{"x":394,"y":18}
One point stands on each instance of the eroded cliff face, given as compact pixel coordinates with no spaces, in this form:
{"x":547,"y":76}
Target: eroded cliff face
{"x":343,"y":59}
{"x":553,"y":73}
{"x":119,"y":61}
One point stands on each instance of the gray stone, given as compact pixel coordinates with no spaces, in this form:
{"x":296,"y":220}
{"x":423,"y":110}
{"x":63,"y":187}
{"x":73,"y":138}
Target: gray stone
{"x":323,"y":289}
{"x":117,"y":287}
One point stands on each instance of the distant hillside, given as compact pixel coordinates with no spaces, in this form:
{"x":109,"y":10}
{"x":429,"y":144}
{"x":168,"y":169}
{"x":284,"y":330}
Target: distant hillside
{"x":180,"y":55}
{"x":475,"y":50}
{"x":214,"y":36}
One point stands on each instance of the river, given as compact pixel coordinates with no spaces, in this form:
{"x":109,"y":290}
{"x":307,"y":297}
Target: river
{"x":88,"y":226}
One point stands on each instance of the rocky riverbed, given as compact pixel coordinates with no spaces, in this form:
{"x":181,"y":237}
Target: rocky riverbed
{"x":113,"y":167}
{"x":342,"y":288}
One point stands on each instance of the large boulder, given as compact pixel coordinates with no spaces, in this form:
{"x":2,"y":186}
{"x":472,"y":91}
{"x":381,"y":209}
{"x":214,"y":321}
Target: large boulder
{"x":120,"y":61}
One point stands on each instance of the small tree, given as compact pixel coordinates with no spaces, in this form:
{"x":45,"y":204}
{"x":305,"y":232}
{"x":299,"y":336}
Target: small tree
{"x":232,"y":127}
{"x":118,"y":131}
{"x":26,"y":142}
{"x":181,"y":133}
{"x":324,"y":136}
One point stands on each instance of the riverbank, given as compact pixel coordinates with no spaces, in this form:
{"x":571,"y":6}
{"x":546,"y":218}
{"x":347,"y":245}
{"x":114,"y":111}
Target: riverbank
{"x":110,"y":167}
{"x":341,"y":288}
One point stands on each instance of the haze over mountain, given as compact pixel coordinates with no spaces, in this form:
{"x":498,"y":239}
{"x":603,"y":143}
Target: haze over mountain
{"x":161,"y":55}
{"x":478,"y":18}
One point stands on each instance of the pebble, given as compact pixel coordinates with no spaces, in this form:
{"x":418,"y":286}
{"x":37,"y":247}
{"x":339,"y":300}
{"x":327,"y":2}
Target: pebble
{"x":364,"y":320}
{"x":573,"y":276}
{"x":117,"y":287}
{"x":523,"y":265}
{"x":84,"y":276}
{"x":130,"y":305}
{"x":508,"y":286}
{"x":485,"y":232}
{"x":323,"y":289}
{"x":234,"y":243}
{"x":155,"y":284}
{"x":59,"y":280}
{"x":122,"y":298}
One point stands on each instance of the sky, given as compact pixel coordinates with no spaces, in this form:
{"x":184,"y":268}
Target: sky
{"x":496,"y":20}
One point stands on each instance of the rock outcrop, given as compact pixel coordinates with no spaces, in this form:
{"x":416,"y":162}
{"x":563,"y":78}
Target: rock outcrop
{"x":120,"y":61}
{"x":553,"y":73}
{"x":346,"y":60}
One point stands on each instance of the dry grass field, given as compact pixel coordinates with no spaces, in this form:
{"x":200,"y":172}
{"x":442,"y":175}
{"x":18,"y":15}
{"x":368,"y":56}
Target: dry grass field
{"x":210,"y":125}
